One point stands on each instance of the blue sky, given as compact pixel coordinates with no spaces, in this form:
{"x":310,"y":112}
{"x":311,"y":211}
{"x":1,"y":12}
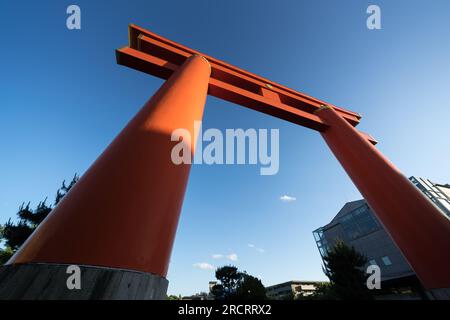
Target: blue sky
{"x":64,"y":98}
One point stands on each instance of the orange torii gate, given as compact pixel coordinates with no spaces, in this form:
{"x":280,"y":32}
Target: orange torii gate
{"x":119,"y":221}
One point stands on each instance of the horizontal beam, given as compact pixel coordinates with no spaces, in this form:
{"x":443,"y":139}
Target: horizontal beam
{"x":155,"y":55}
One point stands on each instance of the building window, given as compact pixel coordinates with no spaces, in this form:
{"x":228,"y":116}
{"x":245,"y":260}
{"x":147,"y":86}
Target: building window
{"x":372,"y":262}
{"x":386,"y":261}
{"x":321,"y":242}
{"x":359,"y":222}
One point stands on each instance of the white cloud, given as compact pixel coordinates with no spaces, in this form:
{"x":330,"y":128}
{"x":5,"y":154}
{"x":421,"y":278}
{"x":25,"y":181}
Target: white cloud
{"x":203,"y":266}
{"x":232,"y":257}
{"x":286,"y":198}
{"x":260,"y":250}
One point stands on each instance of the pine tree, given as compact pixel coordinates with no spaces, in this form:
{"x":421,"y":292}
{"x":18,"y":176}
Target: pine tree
{"x":237,"y":285}
{"x":344,"y":266}
{"x":14,"y":234}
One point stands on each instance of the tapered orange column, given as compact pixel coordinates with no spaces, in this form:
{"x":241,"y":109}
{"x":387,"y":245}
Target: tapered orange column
{"x":418,"y":228}
{"x":123,"y":213}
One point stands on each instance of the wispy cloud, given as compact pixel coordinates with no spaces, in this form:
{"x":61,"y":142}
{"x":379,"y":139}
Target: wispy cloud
{"x":260,"y":250}
{"x":203,"y":266}
{"x":231,"y":256}
{"x":286,"y":198}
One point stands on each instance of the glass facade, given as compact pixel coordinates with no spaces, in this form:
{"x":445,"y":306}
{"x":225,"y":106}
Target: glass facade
{"x":386,"y":261}
{"x":359,"y":222}
{"x":355,"y":224}
{"x":439,"y":194}
{"x":321,"y":242}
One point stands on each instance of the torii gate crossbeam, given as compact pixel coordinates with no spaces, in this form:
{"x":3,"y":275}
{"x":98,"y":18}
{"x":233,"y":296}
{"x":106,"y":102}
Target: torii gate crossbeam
{"x":119,"y":221}
{"x":160,"y":57}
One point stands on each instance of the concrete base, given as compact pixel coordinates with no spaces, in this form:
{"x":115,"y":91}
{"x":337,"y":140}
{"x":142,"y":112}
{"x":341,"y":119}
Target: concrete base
{"x":439,"y":294}
{"x":49,"y":282}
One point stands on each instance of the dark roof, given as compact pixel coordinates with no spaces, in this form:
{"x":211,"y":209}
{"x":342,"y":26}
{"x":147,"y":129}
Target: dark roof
{"x":348,"y":207}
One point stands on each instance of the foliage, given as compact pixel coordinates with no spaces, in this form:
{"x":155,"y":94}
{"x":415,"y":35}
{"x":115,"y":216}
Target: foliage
{"x":344,"y":266}
{"x":229,"y":276}
{"x":5,"y":254}
{"x":324,"y":291}
{"x":218,"y":292}
{"x":14,"y":234}
{"x":288,"y":296}
{"x":237,"y":285}
{"x":250,"y":288}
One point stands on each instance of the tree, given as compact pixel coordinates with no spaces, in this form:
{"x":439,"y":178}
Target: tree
{"x":344,"y":266}
{"x":237,"y":285}
{"x":14,"y":234}
{"x":64,"y":189}
{"x":289,"y":296}
{"x":323,"y":291}
{"x":229,"y":278}
{"x":250,"y":288}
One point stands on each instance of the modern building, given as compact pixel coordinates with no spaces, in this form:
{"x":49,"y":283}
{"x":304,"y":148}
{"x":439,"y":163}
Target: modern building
{"x":439,"y":194}
{"x":357,"y":226}
{"x":291,"y":289}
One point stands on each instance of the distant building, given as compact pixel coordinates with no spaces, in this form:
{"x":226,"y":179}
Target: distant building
{"x":291,"y":289}
{"x":211,"y":286}
{"x":197,"y":296}
{"x":356,"y":225}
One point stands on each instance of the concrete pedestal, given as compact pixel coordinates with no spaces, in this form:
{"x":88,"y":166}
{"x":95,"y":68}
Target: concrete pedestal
{"x":49,"y":282}
{"x":439,"y":294}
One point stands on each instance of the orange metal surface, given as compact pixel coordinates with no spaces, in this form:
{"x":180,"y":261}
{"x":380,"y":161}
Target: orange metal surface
{"x":158,"y":56}
{"x":418,"y":228}
{"x":124,"y":211}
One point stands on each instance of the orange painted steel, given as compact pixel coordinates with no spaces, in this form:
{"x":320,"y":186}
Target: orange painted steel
{"x":124,"y":211}
{"x":158,"y":56}
{"x":418,"y":228}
